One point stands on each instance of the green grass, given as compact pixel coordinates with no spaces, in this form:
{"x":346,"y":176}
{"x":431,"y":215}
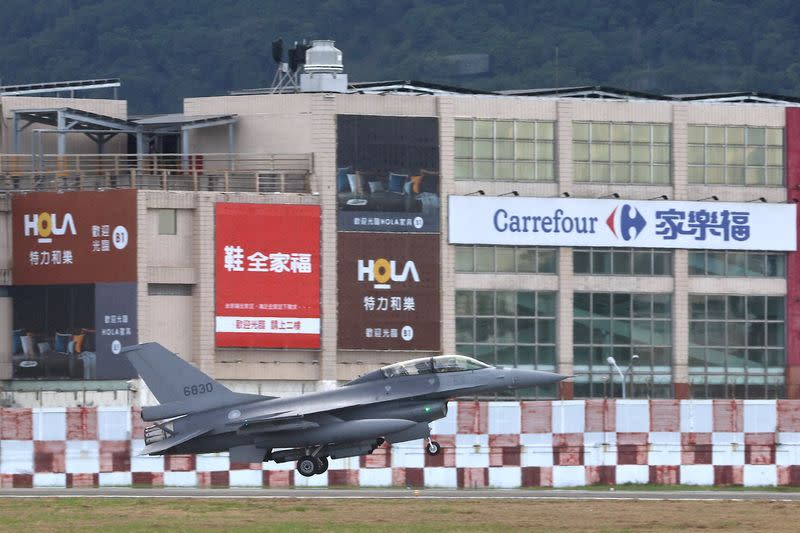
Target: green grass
{"x":392,"y":515}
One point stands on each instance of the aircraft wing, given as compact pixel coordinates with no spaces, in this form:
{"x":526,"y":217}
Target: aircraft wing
{"x":166,"y":444}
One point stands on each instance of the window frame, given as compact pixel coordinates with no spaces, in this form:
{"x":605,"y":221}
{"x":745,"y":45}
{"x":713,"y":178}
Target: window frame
{"x":594,"y":253}
{"x":724,"y":171}
{"x":597,"y":168}
{"x":483,"y":319}
{"x":472,"y":137}
{"x":167,"y":221}
{"x":652,"y":373}
{"x":704,"y":257}
{"x":542,"y":257}
{"x":737,"y":315}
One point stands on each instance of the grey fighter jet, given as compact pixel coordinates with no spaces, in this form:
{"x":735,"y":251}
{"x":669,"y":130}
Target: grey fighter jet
{"x":395,"y":403}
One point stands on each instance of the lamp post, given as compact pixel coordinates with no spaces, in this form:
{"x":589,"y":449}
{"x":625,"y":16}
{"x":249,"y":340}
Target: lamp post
{"x":629,"y":371}
{"x":613,"y":364}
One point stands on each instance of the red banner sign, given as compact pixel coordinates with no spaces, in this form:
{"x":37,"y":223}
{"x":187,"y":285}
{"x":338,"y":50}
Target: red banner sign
{"x":74,"y":237}
{"x":267,"y":276}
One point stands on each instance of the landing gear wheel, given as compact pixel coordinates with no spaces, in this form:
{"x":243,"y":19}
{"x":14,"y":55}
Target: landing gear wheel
{"x":322,"y":465}
{"x":433,"y":448}
{"x":307,"y":466}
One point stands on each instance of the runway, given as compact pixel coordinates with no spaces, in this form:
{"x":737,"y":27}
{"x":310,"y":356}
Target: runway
{"x":431,"y":494}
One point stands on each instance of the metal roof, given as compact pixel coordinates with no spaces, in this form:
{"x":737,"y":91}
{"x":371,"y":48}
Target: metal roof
{"x":750,"y":97}
{"x":602,"y":92}
{"x":179,"y":120}
{"x":80,"y":119}
{"x":587,"y":91}
{"x":56,"y":86}
{"x":411,"y":87}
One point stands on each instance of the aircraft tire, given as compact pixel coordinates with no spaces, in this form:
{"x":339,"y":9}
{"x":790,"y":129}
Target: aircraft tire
{"x":322,"y":465}
{"x":433,"y":448}
{"x":307,"y":466}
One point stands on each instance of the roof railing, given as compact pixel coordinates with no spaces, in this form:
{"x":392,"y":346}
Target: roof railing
{"x":286,"y":173}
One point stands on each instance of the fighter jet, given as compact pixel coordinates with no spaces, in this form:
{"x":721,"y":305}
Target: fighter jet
{"x":395,"y":403}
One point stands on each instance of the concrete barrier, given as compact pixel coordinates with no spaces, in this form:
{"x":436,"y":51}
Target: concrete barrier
{"x":486,"y":444}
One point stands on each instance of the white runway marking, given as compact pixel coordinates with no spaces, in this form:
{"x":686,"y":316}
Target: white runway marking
{"x":393,"y":494}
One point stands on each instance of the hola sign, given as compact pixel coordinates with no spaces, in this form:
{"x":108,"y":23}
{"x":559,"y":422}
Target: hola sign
{"x":46,"y":224}
{"x":384,"y":270}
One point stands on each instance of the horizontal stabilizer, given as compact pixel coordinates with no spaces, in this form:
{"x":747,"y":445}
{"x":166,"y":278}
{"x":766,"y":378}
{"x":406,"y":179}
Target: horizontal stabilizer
{"x":196,"y":405}
{"x":158,"y":448}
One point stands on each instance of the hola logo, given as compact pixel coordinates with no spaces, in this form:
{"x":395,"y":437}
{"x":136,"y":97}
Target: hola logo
{"x":630,"y":222}
{"x":380,"y":271}
{"x":44,"y":225}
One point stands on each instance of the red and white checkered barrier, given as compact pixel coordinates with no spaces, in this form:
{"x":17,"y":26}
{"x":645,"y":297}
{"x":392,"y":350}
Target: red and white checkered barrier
{"x":486,"y":444}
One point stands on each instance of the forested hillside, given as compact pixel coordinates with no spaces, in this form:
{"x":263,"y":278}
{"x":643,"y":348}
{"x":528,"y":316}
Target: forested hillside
{"x":164,"y":51}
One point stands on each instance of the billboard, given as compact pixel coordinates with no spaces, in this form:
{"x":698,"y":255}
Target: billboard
{"x":115,"y":327}
{"x":519,"y":221}
{"x":73,"y":331}
{"x":388,"y":288}
{"x":387,"y":176}
{"x":74,"y":237}
{"x":267,"y":275}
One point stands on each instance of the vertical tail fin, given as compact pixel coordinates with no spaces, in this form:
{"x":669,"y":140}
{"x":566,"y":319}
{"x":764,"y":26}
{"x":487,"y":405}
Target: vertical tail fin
{"x":170,"y":378}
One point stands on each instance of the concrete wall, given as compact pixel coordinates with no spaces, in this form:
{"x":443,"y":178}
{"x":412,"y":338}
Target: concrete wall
{"x":186,"y":323}
{"x":498,"y":444}
{"x":275,"y":124}
{"x":76,"y":143}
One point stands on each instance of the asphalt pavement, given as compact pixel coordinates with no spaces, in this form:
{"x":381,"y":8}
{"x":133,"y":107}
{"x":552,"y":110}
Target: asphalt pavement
{"x":393,"y":493}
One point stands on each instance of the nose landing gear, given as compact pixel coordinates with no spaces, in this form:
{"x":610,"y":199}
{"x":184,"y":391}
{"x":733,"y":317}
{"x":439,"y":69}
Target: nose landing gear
{"x":433,"y":448}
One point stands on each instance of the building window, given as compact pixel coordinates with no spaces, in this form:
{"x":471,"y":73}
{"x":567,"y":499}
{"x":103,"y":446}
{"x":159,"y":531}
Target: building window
{"x":740,"y":264}
{"x":169,"y":289}
{"x":167,"y":221}
{"x":735,"y":155}
{"x":509,"y":150}
{"x":509,"y":328}
{"x":606,"y":152}
{"x":505,"y":259}
{"x":736,"y":346}
{"x":621,"y":325}
{"x":622,"y":261}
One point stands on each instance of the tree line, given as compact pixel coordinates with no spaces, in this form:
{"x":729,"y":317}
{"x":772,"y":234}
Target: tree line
{"x":166,"y":51}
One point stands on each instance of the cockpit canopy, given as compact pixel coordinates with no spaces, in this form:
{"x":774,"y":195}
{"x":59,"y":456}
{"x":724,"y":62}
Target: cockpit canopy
{"x":429,"y":365}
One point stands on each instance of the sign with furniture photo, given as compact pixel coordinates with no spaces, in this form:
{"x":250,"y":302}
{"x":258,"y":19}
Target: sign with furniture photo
{"x":63,"y":355}
{"x":387,"y":176}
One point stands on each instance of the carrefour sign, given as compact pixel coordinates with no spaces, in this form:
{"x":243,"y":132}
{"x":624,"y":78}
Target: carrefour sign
{"x":521,"y":221}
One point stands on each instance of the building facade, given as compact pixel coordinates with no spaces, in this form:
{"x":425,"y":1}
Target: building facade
{"x":386,"y":162}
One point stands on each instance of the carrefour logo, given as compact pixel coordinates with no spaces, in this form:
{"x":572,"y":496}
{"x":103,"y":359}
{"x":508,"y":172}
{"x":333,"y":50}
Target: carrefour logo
{"x":383,"y":270}
{"x":45,"y":225}
{"x":628,"y":223}
{"x":555,"y":223}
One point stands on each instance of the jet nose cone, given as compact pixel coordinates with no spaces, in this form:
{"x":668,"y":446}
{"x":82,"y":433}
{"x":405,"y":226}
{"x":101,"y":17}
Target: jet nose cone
{"x":531,"y":378}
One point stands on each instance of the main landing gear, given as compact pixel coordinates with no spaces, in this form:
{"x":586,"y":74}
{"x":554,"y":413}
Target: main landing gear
{"x":433,"y":448}
{"x":309,"y":466}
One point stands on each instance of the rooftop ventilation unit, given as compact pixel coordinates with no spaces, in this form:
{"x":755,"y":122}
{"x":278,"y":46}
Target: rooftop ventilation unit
{"x":323,"y":70}
{"x":323,"y":57}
